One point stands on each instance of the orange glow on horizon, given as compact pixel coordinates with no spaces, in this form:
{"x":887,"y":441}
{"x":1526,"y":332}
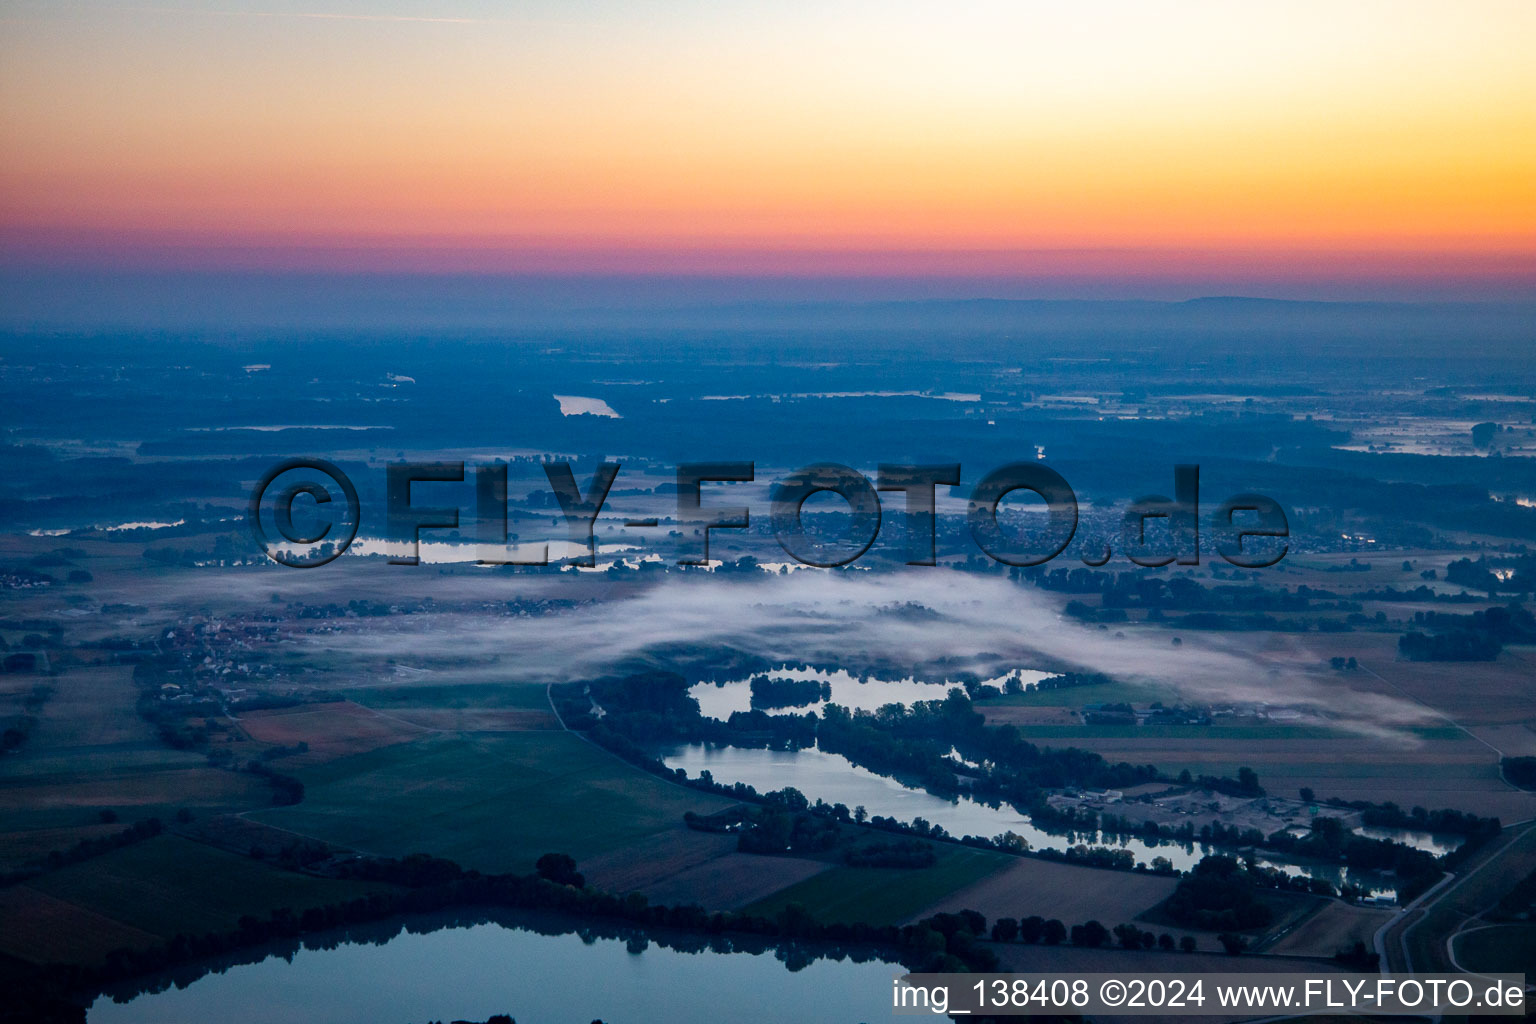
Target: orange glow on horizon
{"x":1379,"y":132}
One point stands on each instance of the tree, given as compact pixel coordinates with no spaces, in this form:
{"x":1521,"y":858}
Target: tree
{"x":1053,"y":932}
{"x":1187,"y":943}
{"x":1031,"y":928}
{"x":973,"y":921}
{"x":1217,"y":894}
{"x":1358,"y":957}
{"x":1165,"y":942}
{"x":1129,"y":936}
{"x":560,"y":868}
{"x":1232,"y":942}
{"x":795,"y":919}
{"x":1307,"y":796}
{"x":1090,"y":933}
{"x":1005,"y":929}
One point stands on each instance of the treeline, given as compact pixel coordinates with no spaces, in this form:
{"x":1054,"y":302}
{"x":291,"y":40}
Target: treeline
{"x":1068,"y":680}
{"x":1390,"y":815}
{"x":1124,"y":590}
{"x":894,"y":853}
{"x":914,"y":744}
{"x":1457,"y":645}
{"x":768,"y":692}
{"x":286,"y":790}
{"x":1418,"y":595}
{"x":1512,"y":575}
{"x":1212,"y":833}
{"x":170,"y":722}
{"x":1479,"y":636}
{"x":945,"y":942}
{"x":1329,"y":839}
{"x":785,"y":826}
{"x":1113,"y":858}
{"x":1218,"y":894}
{"x":224,"y":550}
{"x":85,"y":849}
{"x":1226,"y":622}
{"x":427,"y":884}
{"x":18,"y":728}
{"x":1477,"y":831}
{"x":1036,"y":930}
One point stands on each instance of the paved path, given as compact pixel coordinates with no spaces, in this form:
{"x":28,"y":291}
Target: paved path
{"x":1418,"y":940}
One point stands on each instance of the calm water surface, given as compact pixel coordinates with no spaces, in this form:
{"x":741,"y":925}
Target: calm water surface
{"x":835,"y":779}
{"x":718,"y":700}
{"x":471,"y":972}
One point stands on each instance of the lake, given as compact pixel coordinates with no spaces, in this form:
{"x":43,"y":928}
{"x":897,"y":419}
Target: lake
{"x":836,"y":780}
{"x":1437,"y":843}
{"x":436,"y":971}
{"x":719,"y":700}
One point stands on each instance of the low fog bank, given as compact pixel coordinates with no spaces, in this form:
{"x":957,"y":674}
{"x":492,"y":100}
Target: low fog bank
{"x":913,"y":619}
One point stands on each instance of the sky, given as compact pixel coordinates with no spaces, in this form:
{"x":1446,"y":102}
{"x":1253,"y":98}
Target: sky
{"x":1391,"y":144}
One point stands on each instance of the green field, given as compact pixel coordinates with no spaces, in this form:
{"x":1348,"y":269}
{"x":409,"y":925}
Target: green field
{"x":1289,"y":910}
{"x":157,"y":888}
{"x":1507,"y":948}
{"x":1077,"y":696}
{"x":91,"y":752}
{"x":1215,"y":732}
{"x":884,"y":895}
{"x":525,"y":696}
{"x":1276,"y":770}
{"x":168,"y":884}
{"x":1179,"y":732}
{"x":494,"y":802}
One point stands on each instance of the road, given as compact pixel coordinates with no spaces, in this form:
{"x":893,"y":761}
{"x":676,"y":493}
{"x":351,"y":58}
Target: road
{"x":1417,"y":941}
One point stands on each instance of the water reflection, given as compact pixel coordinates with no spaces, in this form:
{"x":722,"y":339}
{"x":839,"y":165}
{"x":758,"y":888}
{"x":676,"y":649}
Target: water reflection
{"x":835,"y":779}
{"x":446,"y":967}
{"x":1437,"y":843}
{"x":718,"y":700}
